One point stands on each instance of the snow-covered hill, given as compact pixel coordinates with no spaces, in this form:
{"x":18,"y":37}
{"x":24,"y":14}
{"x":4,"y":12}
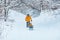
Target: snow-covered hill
{"x":45,"y":27}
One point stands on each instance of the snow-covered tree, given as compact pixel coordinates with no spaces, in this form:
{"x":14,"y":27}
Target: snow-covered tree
{"x":5,"y":5}
{"x":32,"y":7}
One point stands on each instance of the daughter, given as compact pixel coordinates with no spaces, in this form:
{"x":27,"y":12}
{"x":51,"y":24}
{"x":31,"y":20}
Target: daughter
{"x":30,"y":26}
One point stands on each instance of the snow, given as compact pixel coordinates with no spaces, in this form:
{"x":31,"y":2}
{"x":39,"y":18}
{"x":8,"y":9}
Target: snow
{"x":45,"y":28}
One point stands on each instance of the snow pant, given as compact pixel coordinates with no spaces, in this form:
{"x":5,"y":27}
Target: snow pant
{"x":31,"y":28}
{"x":27,"y":24}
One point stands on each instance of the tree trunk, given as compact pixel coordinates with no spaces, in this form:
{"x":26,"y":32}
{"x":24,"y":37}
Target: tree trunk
{"x":6,"y":13}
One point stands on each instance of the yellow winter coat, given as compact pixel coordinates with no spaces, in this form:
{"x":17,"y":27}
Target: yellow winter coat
{"x":28,"y":18}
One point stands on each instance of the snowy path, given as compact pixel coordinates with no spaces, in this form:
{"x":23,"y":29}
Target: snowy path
{"x":17,"y":30}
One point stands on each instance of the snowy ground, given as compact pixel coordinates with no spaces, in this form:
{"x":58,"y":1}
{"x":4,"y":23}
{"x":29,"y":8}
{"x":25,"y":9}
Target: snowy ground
{"x":45,"y":28}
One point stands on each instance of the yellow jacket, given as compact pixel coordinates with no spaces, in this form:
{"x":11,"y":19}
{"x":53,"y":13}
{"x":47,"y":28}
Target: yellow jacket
{"x":28,"y":18}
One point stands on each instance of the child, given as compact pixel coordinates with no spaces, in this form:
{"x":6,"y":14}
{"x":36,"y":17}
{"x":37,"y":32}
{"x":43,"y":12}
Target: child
{"x":30,"y":26}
